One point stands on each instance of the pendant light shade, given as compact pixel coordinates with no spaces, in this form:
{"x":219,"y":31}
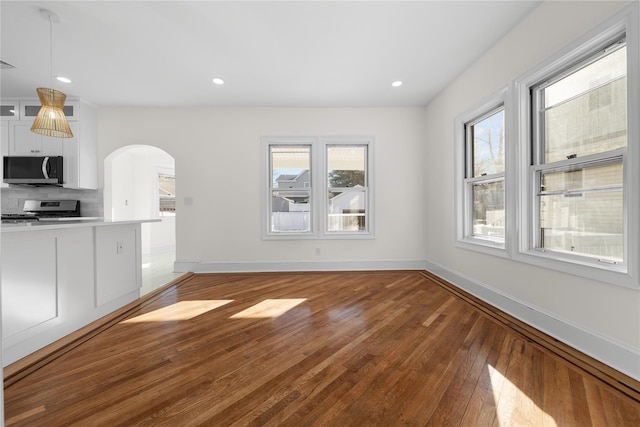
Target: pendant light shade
{"x":51,"y":120}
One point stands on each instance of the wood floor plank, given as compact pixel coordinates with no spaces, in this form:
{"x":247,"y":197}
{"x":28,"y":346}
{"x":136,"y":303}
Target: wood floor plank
{"x":379,"y":348}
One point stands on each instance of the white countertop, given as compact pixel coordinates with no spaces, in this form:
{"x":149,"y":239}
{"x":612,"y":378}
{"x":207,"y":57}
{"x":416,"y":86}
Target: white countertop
{"x":52,"y":225}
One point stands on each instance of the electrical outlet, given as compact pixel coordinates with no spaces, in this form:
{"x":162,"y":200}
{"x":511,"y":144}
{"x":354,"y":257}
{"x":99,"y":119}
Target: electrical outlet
{"x":317,"y":251}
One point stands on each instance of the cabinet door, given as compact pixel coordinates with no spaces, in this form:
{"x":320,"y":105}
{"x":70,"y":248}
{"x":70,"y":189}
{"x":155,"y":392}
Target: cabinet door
{"x":118,"y":265}
{"x":29,"y":110}
{"x":70,"y":157}
{"x":9,"y":110}
{"x":23,"y":142}
{"x":29,"y":295}
{"x":4,"y":140}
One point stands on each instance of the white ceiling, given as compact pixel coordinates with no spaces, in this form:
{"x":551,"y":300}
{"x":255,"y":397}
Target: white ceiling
{"x":291,"y":53}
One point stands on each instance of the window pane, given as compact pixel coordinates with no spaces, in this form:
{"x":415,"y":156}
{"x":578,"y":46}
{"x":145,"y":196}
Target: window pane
{"x":589,"y":224}
{"x":346,"y":166}
{"x":347,"y":211}
{"x":488,"y":209}
{"x":488,"y":145}
{"x":290,"y":211}
{"x":291,"y":183}
{"x":586,"y":112}
{"x":600,"y":72}
{"x":290,"y":166}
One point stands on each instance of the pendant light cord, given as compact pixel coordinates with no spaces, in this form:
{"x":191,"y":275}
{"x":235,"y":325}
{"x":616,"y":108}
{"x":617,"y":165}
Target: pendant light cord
{"x":51,"y":50}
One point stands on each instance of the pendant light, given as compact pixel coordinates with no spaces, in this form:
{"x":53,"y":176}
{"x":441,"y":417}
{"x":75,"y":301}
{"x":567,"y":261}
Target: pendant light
{"x":51,"y":120}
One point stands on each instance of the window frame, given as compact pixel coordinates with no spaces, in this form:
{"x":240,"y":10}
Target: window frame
{"x":348,"y":142}
{"x":319,"y":206}
{"x":158,"y":171}
{"x":585,"y":50}
{"x":267,"y":210}
{"x":464,"y":179}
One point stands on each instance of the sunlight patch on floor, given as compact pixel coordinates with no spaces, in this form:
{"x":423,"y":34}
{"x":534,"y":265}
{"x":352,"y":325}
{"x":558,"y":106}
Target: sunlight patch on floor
{"x":183,"y":310}
{"x":269,"y":308}
{"x":513,"y":407}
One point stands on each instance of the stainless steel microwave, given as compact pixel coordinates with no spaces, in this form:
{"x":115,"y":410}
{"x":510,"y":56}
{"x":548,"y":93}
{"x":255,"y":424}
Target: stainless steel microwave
{"x":33,"y":170}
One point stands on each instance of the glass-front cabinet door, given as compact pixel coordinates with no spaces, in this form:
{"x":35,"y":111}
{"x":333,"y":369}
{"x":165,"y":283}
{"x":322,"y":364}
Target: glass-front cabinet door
{"x":29,"y":110}
{"x":9,"y":110}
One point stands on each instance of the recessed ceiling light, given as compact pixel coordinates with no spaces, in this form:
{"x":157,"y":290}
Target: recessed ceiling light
{"x":63,"y":79}
{"x":218,"y":81}
{"x":396,"y":83}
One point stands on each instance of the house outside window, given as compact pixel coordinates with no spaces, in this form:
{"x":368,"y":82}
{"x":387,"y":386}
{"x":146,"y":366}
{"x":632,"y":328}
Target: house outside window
{"x":319,"y":187}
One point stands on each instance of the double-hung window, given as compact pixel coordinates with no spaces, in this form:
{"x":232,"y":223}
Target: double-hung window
{"x":579,"y":156}
{"x":480,"y":189}
{"x":579,"y":143}
{"x":318,"y":187}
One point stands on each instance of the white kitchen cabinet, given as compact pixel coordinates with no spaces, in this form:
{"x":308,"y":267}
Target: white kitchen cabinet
{"x":59,"y":277}
{"x":79,"y":152}
{"x":4,"y":148}
{"x":29,"y":295}
{"x":117,"y":262}
{"x":23,"y":142}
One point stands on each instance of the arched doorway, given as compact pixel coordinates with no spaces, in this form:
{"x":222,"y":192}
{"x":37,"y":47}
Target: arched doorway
{"x":139,"y":183}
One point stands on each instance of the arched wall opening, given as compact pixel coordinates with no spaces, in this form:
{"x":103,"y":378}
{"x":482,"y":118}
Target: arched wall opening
{"x":139,"y":183}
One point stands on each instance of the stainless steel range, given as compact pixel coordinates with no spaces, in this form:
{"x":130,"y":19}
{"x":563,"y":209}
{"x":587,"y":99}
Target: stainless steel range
{"x":45,"y":210}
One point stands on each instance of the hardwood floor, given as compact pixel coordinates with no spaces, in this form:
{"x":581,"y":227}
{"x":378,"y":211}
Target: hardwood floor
{"x":338,"y":349}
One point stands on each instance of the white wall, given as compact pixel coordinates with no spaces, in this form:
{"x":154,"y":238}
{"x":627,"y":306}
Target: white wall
{"x":217,"y":155}
{"x":590,"y":308}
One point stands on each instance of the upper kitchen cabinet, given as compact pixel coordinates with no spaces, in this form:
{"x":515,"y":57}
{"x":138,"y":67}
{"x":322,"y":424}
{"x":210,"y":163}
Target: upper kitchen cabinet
{"x":79,"y":152}
{"x":23,"y":142}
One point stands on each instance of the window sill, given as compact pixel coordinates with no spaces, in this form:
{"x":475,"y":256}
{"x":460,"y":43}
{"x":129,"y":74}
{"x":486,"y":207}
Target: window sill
{"x":616,"y":274}
{"x":484,"y":246}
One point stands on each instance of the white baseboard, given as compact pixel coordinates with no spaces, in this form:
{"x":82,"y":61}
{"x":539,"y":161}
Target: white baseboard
{"x":257,"y":267}
{"x":618,"y":355}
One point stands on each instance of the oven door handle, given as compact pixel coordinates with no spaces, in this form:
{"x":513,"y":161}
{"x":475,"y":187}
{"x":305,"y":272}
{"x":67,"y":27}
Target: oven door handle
{"x":45,"y":167}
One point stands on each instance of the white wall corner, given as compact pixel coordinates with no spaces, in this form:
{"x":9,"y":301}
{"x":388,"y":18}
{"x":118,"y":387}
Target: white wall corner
{"x":615,"y":354}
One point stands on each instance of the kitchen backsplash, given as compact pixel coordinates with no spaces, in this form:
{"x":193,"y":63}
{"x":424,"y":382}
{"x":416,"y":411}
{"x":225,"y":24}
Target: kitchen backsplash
{"x":91,"y":201}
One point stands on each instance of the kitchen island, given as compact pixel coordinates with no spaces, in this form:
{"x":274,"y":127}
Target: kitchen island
{"x":60,"y":276}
